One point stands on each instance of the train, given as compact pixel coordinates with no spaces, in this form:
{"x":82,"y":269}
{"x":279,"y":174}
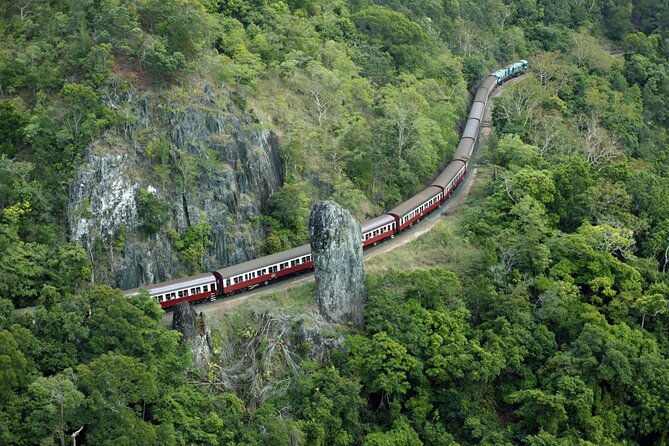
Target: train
{"x":263,"y":270}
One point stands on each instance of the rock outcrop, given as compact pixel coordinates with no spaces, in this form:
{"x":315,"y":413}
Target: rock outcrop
{"x":195,"y":332}
{"x":319,"y":338}
{"x":340,"y":276}
{"x":201,"y":157}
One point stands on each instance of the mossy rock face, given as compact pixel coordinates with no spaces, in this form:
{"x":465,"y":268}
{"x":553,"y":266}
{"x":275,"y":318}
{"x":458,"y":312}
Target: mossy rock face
{"x":336,"y":245}
{"x":175,"y":167}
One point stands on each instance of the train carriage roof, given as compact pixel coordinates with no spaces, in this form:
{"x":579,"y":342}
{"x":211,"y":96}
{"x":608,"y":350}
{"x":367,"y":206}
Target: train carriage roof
{"x":252,"y":265}
{"x":412,"y":203}
{"x":464,"y":150}
{"x":477,"y":110}
{"x":471,"y":129}
{"x":481,"y":95}
{"x":489,"y":83}
{"x":173,"y":285}
{"x":448,"y":173}
{"x":377,"y":222}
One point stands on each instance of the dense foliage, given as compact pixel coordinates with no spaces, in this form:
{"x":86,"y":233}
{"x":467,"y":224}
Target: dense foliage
{"x":556,"y":335}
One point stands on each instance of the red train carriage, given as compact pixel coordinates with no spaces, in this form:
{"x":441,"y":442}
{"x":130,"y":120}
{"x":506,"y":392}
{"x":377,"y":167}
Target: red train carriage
{"x":264,"y":269}
{"x":416,"y":207}
{"x":377,"y":229}
{"x":452,"y":175}
{"x":192,"y":289}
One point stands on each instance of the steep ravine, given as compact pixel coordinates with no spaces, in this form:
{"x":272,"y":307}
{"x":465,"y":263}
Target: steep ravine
{"x":201,"y":158}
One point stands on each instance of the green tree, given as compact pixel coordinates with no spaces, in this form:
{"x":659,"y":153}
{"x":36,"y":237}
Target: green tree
{"x":402,"y":434}
{"x":192,"y":245}
{"x":53,"y":401}
{"x":13,"y":118}
{"x":152,"y":210}
{"x":118,"y":389}
{"x":383,"y":365}
{"x":15,"y":367}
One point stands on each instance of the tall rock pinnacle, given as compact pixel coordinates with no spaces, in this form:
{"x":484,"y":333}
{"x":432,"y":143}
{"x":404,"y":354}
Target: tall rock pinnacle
{"x":336,"y":245}
{"x":195,"y":332}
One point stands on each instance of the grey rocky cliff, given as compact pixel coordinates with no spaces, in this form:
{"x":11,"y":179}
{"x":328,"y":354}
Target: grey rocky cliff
{"x":336,"y":246}
{"x":217,"y":164}
{"x":195,"y":332}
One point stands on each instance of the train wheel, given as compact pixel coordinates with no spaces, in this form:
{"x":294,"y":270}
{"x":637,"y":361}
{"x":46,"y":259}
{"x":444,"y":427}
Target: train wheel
{"x":266,"y":282}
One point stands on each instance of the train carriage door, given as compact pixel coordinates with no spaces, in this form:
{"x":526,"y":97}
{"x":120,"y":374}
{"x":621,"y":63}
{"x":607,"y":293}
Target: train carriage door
{"x":219,"y":283}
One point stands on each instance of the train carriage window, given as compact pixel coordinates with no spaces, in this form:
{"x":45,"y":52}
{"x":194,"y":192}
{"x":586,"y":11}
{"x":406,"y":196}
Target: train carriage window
{"x":181,"y":294}
{"x":309,"y":258}
{"x":192,"y":291}
{"x":197,"y":290}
